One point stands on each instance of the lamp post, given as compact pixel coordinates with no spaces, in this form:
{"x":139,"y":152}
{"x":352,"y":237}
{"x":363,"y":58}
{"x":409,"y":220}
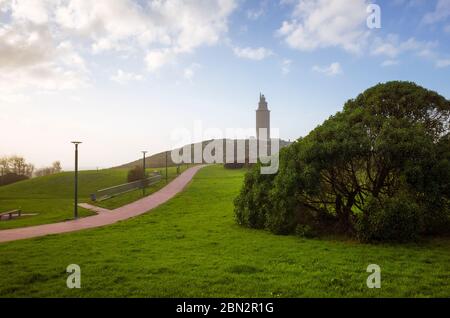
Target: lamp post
{"x":166,"y":167}
{"x":76,"y":143}
{"x":143,"y":175}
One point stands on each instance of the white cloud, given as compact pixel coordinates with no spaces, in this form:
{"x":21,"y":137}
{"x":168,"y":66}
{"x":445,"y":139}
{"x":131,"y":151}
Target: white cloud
{"x":189,"y":72}
{"x":326,"y":23}
{"x":256,"y":54}
{"x":35,"y":11}
{"x":286,"y":66}
{"x":22,"y":46}
{"x":392,"y":47}
{"x":35,"y":35}
{"x":31,"y":59}
{"x":443,"y":63}
{"x":122,"y":77}
{"x":256,"y":13}
{"x":181,"y":24}
{"x":331,"y":70}
{"x":389,"y":63}
{"x":156,"y":59}
{"x":441,"y":13}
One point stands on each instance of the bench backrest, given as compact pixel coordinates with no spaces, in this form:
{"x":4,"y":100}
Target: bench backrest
{"x":127,"y":187}
{"x":10,"y":212}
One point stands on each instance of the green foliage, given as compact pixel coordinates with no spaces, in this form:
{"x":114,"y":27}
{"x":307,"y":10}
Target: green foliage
{"x":253,"y":202}
{"x":11,"y":178}
{"x":392,"y":139}
{"x":396,"y":218}
{"x":135,"y":174}
{"x":304,"y":230}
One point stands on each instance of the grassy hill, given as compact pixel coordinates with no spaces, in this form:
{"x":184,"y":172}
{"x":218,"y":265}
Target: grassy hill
{"x":51,"y":197}
{"x":159,"y":159}
{"x":192,"y":247}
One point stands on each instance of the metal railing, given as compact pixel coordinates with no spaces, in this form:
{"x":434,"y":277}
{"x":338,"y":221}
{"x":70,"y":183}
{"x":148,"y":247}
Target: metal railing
{"x":111,"y":192}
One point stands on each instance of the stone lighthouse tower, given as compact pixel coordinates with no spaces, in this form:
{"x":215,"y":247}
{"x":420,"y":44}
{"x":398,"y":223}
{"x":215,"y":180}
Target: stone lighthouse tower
{"x":262,"y":119}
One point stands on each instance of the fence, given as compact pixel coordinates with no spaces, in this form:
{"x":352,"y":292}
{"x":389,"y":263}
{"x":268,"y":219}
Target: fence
{"x":111,"y":192}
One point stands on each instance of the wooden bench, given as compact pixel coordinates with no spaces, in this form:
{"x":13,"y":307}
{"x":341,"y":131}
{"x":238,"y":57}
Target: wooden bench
{"x":10,"y":213}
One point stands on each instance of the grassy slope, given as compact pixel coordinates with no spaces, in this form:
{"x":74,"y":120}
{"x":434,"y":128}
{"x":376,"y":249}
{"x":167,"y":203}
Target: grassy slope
{"x":52,"y":196}
{"x":137,"y":194}
{"x":191,"y":246}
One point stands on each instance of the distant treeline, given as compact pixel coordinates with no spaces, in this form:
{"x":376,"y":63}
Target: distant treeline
{"x":15,"y":168}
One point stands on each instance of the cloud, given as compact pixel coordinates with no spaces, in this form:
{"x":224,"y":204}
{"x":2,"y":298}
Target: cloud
{"x":34,"y":11}
{"x":30,"y":58}
{"x":443,"y":63}
{"x":318,"y":24}
{"x":392,"y":47}
{"x":286,"y":66}
{"x":35,"y":35}
{"x":256,"y":13}
{"x":440,"y":13}
{"x":389,"y":63}
{"x":332,"y":70}
{"x":122,"y":77}
{"x":156,"y":59}
{"x":256,"y":54}
{"x":22,"y":46}
{"x":180,"y":24}
{"x":189,"y":72}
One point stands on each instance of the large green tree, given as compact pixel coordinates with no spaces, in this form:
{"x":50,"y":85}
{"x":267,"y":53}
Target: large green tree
{"x":378,"y":169}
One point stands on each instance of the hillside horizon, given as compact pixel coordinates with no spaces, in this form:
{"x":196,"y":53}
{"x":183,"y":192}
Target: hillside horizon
{"x":159,"y":159}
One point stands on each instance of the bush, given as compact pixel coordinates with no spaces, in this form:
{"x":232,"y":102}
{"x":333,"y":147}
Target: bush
{"x":252,"y":204}
{"x":234,"y":165}
{"x":398,"y":219}
{"x":10,"y":178}
{"x":135,"y":174}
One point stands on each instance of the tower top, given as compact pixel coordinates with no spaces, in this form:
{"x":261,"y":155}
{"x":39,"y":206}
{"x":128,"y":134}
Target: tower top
{"x":262,"y":102}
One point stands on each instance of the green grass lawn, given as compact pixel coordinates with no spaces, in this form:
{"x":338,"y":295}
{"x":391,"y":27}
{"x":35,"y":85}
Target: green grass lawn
{"x":51,"y":197}
{"x":192,"y":247}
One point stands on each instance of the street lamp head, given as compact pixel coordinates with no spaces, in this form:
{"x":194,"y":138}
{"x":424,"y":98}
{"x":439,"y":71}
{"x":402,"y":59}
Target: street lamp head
{"x":144,"y":152}
{"x":76,"y":142}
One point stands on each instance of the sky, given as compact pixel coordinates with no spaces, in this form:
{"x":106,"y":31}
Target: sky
{"x":122,"y":76}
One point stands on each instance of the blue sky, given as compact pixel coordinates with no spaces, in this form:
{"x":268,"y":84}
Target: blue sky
{"x":122,"y":76}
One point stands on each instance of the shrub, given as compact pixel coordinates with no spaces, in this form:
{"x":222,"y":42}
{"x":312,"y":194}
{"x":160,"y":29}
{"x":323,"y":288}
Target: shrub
{"x":396,"y":219}
{"x":234,"y":165}
{"x":10,"y":178}
{"x":135,"y":174}
{"x":253,"y":202}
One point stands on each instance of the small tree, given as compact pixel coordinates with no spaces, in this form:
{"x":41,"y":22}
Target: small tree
{"x":135,"y":174}
{"x":56,"y":167}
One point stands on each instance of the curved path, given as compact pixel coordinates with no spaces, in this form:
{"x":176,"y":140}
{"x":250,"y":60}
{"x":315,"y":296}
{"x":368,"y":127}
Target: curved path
{"x":104,"y":218}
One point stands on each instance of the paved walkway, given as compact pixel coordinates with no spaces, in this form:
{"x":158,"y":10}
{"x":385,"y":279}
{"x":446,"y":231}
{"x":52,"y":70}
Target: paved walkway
{"x":104,"y":218}
{"x":93,"y":208}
